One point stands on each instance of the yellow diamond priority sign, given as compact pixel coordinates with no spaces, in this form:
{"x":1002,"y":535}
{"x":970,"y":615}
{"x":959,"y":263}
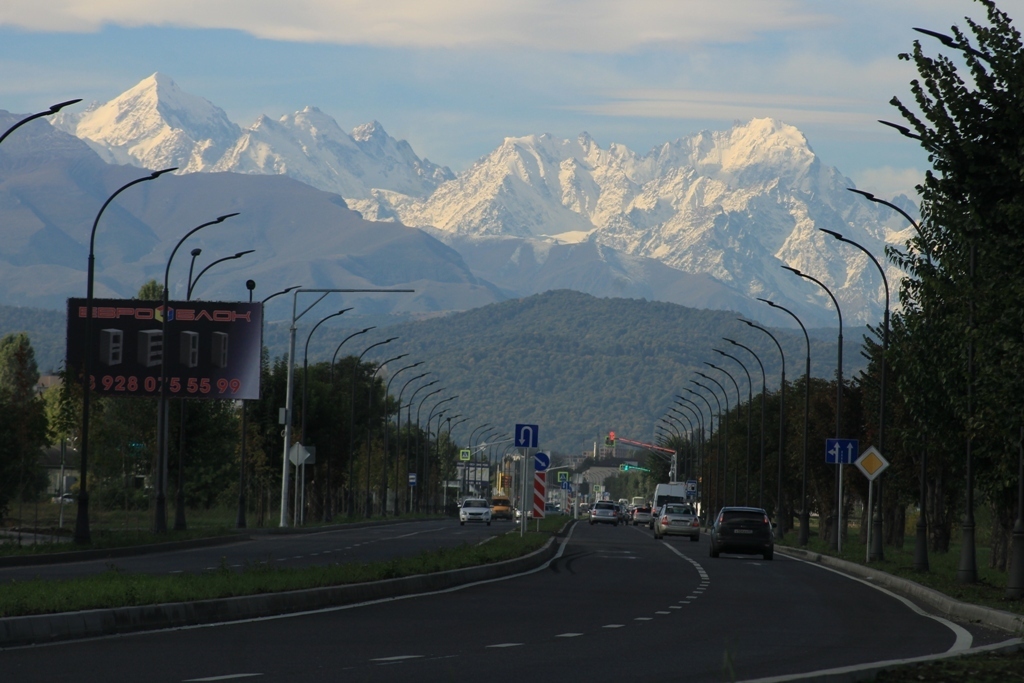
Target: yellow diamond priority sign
{"x":871,"y":463}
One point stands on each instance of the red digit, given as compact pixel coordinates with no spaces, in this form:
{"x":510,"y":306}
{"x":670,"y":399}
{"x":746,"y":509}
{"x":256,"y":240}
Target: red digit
{"x":133,"y":383}
{"x":222,"y":385}
{"x":175,"y":385}
{"x":108,"y":382}
{"x":193,"y":385}
{"x":235,"y":386}
{"x":204,"y":385}
{"x":150,"y":385}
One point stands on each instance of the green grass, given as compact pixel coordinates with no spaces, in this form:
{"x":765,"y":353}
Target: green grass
{"x":118,"y":589}
{"x":989,"y":590}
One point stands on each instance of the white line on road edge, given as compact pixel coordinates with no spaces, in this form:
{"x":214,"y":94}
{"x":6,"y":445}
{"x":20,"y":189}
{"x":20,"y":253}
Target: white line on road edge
{"x":964,"y":639}
{"x":830,"y":674}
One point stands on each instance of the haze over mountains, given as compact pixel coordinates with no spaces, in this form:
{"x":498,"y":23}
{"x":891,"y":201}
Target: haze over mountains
{"x":705,"y":221}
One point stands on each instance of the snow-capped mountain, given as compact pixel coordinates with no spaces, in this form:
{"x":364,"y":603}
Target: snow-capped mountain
{"x":155,"y":124}
{"x":734,"y":204}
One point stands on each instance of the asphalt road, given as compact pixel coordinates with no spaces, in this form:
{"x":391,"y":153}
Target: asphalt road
{"x":362,"y":544}
{"x":616,"y":605}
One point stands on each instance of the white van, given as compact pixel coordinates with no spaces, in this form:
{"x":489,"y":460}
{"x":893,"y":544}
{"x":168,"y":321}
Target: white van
{"x":674,"y":492}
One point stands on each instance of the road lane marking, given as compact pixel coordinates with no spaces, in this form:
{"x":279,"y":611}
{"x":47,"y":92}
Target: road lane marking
{"x":568,"y":635}
{"x":613,"y":626}
{"x":674,"y":607}
{"x":642,"y":619}
{"x":506,"y":645}
{"x":219,"y":678}
{"x":662,"y":612}
{"x":397,"y":658}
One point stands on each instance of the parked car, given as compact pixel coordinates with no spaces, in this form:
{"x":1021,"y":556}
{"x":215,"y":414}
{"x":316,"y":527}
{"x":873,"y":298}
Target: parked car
{"x":743,"y":530}
{"x":677,"y":520}
{"x":475,"y":510}
{"x":641,"y":515}
{"x":604,"y":512}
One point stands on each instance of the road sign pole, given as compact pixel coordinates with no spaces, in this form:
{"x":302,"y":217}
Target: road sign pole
{"x":871,"y":510}
{"x":839,"y":513}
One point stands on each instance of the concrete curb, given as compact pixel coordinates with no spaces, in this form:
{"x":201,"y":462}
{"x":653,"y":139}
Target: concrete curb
{"x":945,"y":605}
{"x":48,"y":628}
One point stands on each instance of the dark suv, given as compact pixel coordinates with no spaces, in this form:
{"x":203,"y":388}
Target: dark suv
{"x":742,"y":530}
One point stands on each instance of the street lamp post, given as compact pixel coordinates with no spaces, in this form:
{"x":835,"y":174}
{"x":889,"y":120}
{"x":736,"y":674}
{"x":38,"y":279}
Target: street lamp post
{"x":877,"y":551}
{"x":421,"y":458}
{"x":329,"y":507}
{"x":697,"y":452}
{"x":805,"y":517}
{"x":387,"y":428}
{"x":739,"y":400}
{"x":723,"y":432}
{"x":369,"y":427}
{"x":179,"y":500}
{"x":408,"y":435}
{"x":921,"y":538}
{"x":437,"y":441}
{"x":160,"y":524}
{"x":764,"y":390}
{"x":240,"y":517}
{"x":299,"y":515}
{"x":750,"y":401}
{"x":836,"y":542}
{"x":782,"y":522}
{"x":708,"y":430}
{"x":82,"y":534}
{"x":352,"y":425}
{"x":289,"y":397}
{"x":720,"y":480}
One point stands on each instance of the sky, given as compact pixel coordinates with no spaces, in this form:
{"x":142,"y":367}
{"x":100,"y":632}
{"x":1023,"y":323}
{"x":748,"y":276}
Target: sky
{"x":455,"y":77}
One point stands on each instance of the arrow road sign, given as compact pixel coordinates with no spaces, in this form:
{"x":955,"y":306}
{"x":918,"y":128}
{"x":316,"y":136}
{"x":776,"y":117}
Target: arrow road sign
{"x":541,"y":462}
{"x":526,"y":436}
{"x":841,"y":451}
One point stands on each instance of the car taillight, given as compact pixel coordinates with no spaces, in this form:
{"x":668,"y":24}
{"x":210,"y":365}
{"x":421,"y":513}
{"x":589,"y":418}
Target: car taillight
{"x":720,"y":518}
{"x":766,"y":520}
{"x":696,"y":522}
{"x":664,"y":520}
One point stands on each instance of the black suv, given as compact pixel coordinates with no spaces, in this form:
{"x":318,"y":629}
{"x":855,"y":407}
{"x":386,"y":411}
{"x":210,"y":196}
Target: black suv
{"x":742,"y":530}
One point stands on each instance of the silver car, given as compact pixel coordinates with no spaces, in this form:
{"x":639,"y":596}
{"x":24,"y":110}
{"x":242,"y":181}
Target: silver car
{"x":642,"y":515}
{"x":677,"y":520}
{"x":605,"y":512}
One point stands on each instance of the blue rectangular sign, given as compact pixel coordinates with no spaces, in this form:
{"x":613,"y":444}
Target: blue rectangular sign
{"x":526,"y":436}
{"x":841,"y":451}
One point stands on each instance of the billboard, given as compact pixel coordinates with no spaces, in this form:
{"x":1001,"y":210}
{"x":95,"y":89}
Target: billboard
{"x":212,"y":349}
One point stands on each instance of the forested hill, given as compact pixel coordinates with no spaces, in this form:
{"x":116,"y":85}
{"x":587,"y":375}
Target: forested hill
{"x":46,"y":329}
{"x":579,"y":366}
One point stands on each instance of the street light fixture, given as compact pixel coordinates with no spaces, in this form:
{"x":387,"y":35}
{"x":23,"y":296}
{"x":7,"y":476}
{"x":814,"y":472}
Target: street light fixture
{"x":52,"y":110}
{"x":369,"y":426}
{"x":192,"y":283}
{"x":739,"y":400}
{"x":805,"y":517}
{"x":82,"y":534}
{"x":421,"y":457}
{"x":720,"y":488}
{"x":877,"y":551}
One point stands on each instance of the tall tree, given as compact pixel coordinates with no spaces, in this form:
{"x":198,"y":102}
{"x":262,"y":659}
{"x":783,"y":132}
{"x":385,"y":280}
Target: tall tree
{"x":22,"y":422}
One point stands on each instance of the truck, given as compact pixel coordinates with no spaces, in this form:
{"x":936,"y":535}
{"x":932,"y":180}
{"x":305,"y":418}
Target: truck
{"x":674,"y":492}
{"x":638,"y":501}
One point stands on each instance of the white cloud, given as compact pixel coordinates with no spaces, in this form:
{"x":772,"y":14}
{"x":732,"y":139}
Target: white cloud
{"x":593,"y":26}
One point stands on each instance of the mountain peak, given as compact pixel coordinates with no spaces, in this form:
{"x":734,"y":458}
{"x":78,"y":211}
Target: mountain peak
{"x":369,"y":131}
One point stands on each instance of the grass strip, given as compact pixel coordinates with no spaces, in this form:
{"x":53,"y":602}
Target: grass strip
{"x":114,"y":588}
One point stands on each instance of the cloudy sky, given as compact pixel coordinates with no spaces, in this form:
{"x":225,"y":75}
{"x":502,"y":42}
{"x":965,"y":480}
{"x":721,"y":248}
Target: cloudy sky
{"x":454,"y":77}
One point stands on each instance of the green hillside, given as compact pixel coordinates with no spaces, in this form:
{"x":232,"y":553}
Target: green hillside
{"x":47,"y":330}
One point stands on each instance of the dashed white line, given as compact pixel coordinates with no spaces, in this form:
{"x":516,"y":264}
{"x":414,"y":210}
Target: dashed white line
{"x":642,"y":619}
{"x":662,"y":612}
{"x":397,"y":658}
{"x":568,"y":635}
{"x":613,"y":626}
{"x":506,"y":645}
{"x":220,"y":678}
{"x":674,"y":607}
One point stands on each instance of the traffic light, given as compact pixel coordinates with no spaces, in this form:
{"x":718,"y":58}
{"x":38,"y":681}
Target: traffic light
{"x":610,"y":439}
{"x":625,"y":468}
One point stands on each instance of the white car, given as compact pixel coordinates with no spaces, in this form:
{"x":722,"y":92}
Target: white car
{"x":475,"y":510}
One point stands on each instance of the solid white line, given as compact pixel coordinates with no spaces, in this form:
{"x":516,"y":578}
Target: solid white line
{"x":220,"y":678}
{"x":963,"y":640}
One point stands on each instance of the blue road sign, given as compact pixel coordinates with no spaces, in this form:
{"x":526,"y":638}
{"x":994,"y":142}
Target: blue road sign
{"x":526,"y":436}
{"x":841,"y":451}
{"x":541,"y":462}
{"x":412,"y":479}
{"x":567,"y":486}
